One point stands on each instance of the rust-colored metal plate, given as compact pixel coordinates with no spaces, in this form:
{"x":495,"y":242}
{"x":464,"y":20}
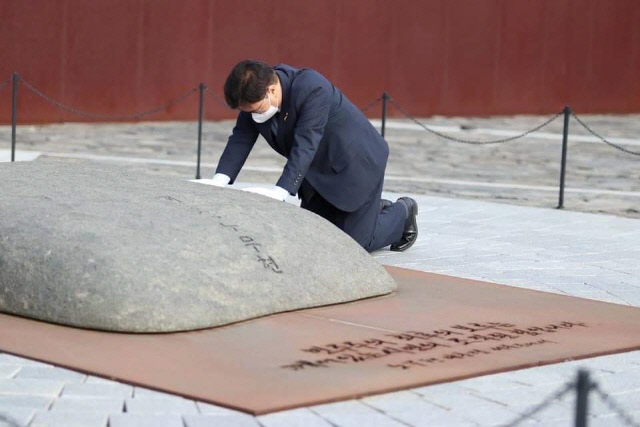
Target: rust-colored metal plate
{"x":434,"y":329}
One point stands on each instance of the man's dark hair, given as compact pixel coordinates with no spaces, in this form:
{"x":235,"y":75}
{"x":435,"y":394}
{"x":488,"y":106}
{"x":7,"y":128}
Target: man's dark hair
{"x":247,"y":83}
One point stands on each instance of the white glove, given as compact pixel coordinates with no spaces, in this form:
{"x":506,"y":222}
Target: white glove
{"x":275,"y":192}
{"x":220,"y":180}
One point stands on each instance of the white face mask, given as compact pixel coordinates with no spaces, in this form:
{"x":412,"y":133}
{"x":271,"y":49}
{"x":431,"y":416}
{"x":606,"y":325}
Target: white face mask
{"x":263,"y":117}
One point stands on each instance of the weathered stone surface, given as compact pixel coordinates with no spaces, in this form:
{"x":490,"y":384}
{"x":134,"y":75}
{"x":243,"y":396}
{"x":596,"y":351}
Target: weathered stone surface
{"x":101,"y":247}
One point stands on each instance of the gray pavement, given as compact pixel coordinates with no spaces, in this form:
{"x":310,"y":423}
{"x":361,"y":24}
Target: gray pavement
{"x":523,"y":242}
{"x":599,"y":178}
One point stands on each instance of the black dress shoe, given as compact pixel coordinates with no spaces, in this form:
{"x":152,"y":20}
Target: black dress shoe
{"x":410,"y":232}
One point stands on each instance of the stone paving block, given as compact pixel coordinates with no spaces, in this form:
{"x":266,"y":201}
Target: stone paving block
{"x":567,"y":281}
{"x":598,"y":295}
{"x":440,"y":418}
{"x":396,"y":402}
{"x":430,"y":419}
{"x":26,"y":401}
{"x":597,"y":406}
{"x":31,"y":387}
{"x":608,"y":420}
{"x":207,"y":408}
{"x":557,"y":414}
{"x":630,"y":409}
{"x":294,"y":418}
{"x":89,"y":404}
{"x":527,"y":423}
{"x":564,"y":409}
{"x":343,"y":407}
{"x":488,"y":382}
{"x":110,"y":389}
{"x":98,"y":380}
{"x":354,"y":414}
{"x":525,"y":283}
{"x":417,"y":412}
{"x":604,"y":368}
{"x":448,"y":390}
{"x":69,"y":419}
{"x":612,"y":364}
{"x":525,"y":396}
{"x":16,"y":417}
{"x":568,"y":369}
{"x":628,"y":297}
{"x":629,"y":402}
{"x":464,"y":402}
{"x":601,"y":255}
{"x":145,"y":420}
{"x":373,"y":419}
{"x":632,"y":368}
{"x":588,"y":256}
{"x":539,"y":376}
{"x":615,"y":265}
{"x":619,"y":383}
{"x":51,"y":373}
{"x":581,"y":285}
{"x":614,"y":282}
{"x":10,"y":359}
{"x":8,"y":371}
{"x":210,"y":420}
{"x":485,"y":415}
{"x":161,"y":406}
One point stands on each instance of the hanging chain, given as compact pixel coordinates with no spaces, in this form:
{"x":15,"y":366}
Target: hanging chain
{"x":464,"y":141}
{"x":107,"y":116}
{"x":216,"y":97}
{"x":364,"y":110}
{"x":615,"y":407}
{"x":371,"y":104}
{"x":592,"y":132}
{"x":562,"y":391}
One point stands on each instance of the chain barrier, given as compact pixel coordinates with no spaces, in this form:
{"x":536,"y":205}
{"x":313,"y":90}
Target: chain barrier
{"x":216,"y":97}
{"x":465,"y":141}
{"x":89,"y":115}
{"x":371,"y":104}
{"x":559,"y":394}
{"x":626,"y":418}
{"x":592,"y":132}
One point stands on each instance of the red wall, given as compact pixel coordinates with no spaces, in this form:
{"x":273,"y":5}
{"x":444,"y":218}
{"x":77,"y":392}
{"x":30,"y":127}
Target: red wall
{"x":447,"y":57}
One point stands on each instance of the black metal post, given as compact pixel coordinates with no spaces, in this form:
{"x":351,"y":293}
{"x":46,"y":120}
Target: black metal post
{"x":563,"y":165}
{"x":583,"y":386}
{"x":385,"y":98}
{"x":202,"y":88}
{"x":14,"y":115}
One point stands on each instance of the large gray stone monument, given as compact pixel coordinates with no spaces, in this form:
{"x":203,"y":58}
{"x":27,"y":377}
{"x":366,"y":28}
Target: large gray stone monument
{"x":104,"y":247}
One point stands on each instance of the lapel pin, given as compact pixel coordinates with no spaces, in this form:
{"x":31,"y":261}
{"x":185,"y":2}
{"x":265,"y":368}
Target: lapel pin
{"x":285,"y":116}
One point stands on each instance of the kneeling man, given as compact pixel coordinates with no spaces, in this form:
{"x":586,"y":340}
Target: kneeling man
{"x":335,"y":157}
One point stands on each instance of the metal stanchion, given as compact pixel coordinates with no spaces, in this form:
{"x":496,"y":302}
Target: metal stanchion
{"x":563,"y":165}
{"x":385,"y":98}
{"x":583,"y":387}
{"x":14,"y":115}
{"x":201,"y":88}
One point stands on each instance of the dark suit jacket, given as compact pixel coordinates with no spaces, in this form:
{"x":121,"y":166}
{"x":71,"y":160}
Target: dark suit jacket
{"x":327,"y":141}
